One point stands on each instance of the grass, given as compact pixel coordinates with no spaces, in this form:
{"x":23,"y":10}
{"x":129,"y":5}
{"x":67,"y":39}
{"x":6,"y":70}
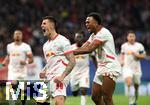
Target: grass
{"x":118,"y":100}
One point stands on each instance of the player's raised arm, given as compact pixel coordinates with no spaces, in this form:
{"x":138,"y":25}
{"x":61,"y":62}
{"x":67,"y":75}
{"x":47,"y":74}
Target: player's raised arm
{"x":88,"y":48}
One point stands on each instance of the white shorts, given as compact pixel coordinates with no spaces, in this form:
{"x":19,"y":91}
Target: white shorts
{"x":57,"y":89}
{"x":17,"y":73}
{"x":80,"y":80}
{"x":136,"y":76}
{"x":98,"y":78}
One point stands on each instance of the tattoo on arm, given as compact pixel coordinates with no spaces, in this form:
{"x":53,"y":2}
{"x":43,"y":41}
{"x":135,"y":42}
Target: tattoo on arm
{"x":71,"y":64}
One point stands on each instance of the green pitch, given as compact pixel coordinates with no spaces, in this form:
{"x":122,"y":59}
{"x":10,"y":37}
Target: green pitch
{"x":118,"y":100}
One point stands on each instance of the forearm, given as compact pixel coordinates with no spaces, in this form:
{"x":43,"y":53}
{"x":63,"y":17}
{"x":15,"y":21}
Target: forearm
{"x":5,"y":61}
{"x":82,"y":51}
{"x":140,"y":56}
{"x":68,"y":69}
{"x":30,"y":60}
{"x":122,"y":59}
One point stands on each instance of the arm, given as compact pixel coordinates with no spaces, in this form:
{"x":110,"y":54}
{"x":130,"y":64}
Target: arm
{"x":139,"y":56}
{"x":6,"y":60}
{"x":29,"y":59}
{"x":94,"y":60}
{"x":122,"y":59}
{"x":141,"y":53}
{"x":70,"y":57}
{"x":88,"y":48}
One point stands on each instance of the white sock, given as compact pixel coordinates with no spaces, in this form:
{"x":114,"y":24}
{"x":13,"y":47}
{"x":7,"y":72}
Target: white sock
{"x":131,"y":96}
{"x":83,"y":100}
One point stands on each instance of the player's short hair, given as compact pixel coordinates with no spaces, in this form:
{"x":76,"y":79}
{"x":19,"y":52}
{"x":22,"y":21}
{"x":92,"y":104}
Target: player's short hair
{"x":130,"y":31}
{"x":96,"y":16}
{"x":51,"y":19}
{"x":18,"y":30}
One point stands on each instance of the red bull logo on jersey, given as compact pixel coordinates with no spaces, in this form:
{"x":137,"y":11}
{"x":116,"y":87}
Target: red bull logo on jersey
{"x":50,"y":53}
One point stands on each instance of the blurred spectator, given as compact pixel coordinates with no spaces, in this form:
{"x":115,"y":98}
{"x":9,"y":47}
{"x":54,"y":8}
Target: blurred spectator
{"x":119,"y":17}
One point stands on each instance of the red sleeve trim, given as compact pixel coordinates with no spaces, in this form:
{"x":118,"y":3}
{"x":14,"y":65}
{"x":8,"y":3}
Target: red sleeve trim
{"x":111,"y":57}
{"x":64,"y":63}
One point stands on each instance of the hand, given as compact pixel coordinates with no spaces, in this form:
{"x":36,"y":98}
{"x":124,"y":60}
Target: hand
{"x":58,"y":79}
{"x":42,"y":74}
{"x":135,"y":54}
{"x":22,"y":62}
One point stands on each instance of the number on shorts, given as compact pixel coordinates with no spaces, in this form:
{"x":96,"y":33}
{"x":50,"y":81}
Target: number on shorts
{"x":59,"y":86}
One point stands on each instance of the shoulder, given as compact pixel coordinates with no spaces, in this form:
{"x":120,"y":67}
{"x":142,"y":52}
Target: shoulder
{"x":124,"y":44}
{"x":139,"y":44}
{"x":25,"y":44}
{"x":45,"y":44}
{"x":105,"y":31}
{"x":63,"y":39}
{"x":10,"y":44}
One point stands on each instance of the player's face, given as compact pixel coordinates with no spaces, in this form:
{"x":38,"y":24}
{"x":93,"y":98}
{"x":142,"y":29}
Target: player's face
{"x":90,"y":24}
{"x":47,"y":26}
{"x":18,"y":36}
{"x":131,"y":37}
{"x":79,"y":38}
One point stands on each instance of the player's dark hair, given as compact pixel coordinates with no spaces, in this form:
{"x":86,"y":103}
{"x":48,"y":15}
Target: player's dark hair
{"x":96,"y":16}
{"x":82,"y":32}
{"x":51,"y":19}
{"x":130,"y":31}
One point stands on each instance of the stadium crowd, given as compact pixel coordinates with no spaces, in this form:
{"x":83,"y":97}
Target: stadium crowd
{"x":118,"y":16}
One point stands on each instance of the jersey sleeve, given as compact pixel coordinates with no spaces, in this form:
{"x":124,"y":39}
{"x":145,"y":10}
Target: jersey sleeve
{"x":141,"y":49}
{"x":28,"y":50}
{"x":122,"y":49}
{"x":65,"y":45}
{"x":8,"y":49}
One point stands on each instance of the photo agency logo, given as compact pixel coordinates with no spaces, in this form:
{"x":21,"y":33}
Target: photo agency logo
{"x":40,"y":91}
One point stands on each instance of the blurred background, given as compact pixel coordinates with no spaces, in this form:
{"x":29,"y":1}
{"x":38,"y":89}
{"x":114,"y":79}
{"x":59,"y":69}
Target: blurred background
{"x":119,"y":16}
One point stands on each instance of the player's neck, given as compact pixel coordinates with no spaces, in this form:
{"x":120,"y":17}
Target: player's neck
{"x":97,"y":29}
{"x":53,"y":35}
{"x":131,"y":43}
{"x":18,"y":42}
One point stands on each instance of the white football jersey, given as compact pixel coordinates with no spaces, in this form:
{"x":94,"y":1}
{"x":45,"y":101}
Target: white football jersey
{"x":130,"y":62}
{"x":82,"y":61}
{"x":17,"y":53}
{"x":57,"y":64}
{"x":105,"y":54}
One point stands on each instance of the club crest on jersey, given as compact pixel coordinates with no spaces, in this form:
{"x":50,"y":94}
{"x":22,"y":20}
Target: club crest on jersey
{"x":50,"y":53}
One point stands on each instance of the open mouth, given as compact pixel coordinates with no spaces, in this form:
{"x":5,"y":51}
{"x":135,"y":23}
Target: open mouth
{"x":43,"y":30}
